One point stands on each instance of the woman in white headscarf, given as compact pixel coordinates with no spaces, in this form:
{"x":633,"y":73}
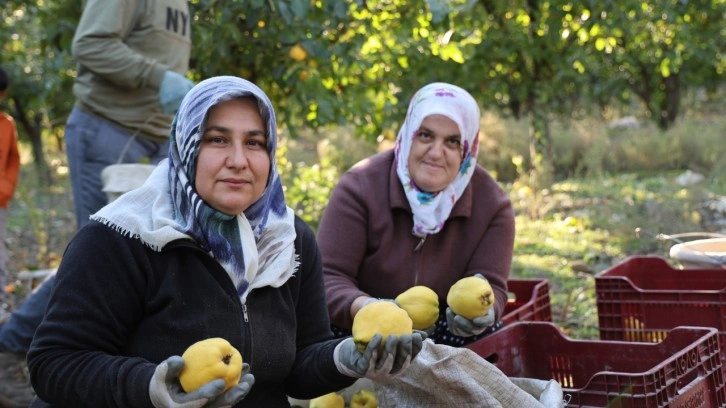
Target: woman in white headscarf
{"x":423,"y":213}
{"x":205,"y":248}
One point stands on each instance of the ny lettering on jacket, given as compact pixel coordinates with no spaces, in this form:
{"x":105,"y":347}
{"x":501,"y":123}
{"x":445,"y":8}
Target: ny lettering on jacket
{"x":177,"y":21}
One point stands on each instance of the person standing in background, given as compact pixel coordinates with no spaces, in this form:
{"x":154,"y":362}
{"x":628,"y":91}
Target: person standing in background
{"x":132,"y":57}
{"x":9,"y":168}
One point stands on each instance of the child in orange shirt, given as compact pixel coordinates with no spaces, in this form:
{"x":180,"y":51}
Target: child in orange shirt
{"x":9,"y":168}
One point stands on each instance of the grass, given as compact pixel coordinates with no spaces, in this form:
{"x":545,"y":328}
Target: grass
{"x":610,"y":183}
{"x":590,"y":225}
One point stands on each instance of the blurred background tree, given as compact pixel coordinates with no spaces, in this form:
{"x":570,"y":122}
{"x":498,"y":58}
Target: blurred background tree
{"x":356,"y":62}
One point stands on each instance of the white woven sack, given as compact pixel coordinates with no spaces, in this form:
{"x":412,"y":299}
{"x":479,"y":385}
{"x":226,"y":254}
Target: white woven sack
{"x":444,"y":376}
{"x":120,"y":178}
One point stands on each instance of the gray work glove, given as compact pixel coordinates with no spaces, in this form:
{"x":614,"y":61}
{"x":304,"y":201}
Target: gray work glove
{"x":375,"y":299}
{"x":172,"y":90}
{"x":463,"y":327}
{"x":166,"y":392}
{"x":395,"y":358}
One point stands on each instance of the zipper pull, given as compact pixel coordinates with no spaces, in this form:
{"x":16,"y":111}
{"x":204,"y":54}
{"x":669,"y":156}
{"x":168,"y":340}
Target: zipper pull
{"x":244,"y":312}
{"x":420,"y":243}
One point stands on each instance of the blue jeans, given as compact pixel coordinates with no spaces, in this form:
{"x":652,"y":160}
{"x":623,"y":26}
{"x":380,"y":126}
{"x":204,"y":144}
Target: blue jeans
{"x":93,"y":143}
{"x":17,"y":332}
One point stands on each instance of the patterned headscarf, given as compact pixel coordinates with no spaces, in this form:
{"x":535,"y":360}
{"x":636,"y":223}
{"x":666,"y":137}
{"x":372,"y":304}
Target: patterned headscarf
{"x":256,"y":247}
{"x":431,"y":209}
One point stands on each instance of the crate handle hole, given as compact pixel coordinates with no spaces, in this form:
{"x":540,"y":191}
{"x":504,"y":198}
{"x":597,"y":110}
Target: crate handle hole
{"x":492,"y":358}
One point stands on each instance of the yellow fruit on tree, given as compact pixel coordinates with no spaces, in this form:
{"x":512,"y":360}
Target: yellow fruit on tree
{"x":208,"y":360}
{"x":304,"y":75}
{"x":470,"y":297}
{"x":363,"y":399}
{"x":421,"y":304}
{"x":331,"y":400}
{"x":298,"y":53}
{"x":384,"y":318}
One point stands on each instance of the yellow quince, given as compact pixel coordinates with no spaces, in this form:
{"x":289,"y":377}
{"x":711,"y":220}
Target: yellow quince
{"x":422,"y":305}
{"x":298,"y":53}
{"x":331,"y":400}
{"x":384,"y":318}
{"x":208,"y":360}
{"x":470,"y":297}
{"x":363,"y":399}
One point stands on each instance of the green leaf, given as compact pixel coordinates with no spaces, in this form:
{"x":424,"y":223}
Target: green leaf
{"x":285,"y":12}
{"x":439,"y":10}
{"x":300,"y":8}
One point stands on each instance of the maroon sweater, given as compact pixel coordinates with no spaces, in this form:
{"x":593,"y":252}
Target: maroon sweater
{"x":368,"y":249}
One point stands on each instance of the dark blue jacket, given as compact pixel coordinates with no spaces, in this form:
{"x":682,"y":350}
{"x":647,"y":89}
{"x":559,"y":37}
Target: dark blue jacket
{"x":118,"y":309}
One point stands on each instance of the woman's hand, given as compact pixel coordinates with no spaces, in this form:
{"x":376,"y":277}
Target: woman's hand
{"x":394,"y":358}
{"x":236,"y":393}
{"x":463,"y":327}
{"x":166,"y":392}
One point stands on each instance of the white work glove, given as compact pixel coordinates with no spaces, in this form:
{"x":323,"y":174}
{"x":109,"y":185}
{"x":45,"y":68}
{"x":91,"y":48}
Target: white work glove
{"x":172,"y":90}
{"x":166,"y":392}
{"x":463,"y":327}
{"x":396,"y":357}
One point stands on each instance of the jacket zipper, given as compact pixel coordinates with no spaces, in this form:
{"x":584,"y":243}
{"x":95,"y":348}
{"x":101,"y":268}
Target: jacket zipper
{"x":247,"y":334}
{"x":420,"y":243}
{"x":417,"y":268}
{"x":247,"y":340}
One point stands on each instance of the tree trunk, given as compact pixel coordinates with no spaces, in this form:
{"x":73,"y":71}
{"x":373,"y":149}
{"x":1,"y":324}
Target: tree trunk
{"x":540,"y":145}
{"x":671,"y":101}
{"x":33,"y":129}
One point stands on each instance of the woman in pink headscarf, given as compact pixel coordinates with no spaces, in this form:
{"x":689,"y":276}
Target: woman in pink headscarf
{"x":423,"y":213}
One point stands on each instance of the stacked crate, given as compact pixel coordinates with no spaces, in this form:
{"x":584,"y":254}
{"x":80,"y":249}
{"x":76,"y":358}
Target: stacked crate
{"x":684,"y":370}
{"x":642,"y":298}
{"x":529,"y":301}
{"x":662,"y":330}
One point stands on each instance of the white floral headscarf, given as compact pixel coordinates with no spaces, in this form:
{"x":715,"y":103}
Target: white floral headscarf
{"x":431,"y":209}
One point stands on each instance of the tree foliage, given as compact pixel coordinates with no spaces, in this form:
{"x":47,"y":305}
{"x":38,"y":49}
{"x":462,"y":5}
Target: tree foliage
{"x":363,"y":59}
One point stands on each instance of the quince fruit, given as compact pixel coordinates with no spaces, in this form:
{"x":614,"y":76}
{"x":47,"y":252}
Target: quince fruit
{"x":470,"y":297}
{"x":208,"y":360}
{"x":298,"y":53}
{"x":384,"y":318}
{"x":363,"y":399}
{"x":331,"y":400}
{"x":422,"y":305}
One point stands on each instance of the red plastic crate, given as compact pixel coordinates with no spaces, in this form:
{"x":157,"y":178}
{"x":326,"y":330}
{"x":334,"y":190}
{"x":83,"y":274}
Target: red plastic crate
{"x":682,"y":371}
{"x":531,"y":301}
{"x":642,"y":298}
